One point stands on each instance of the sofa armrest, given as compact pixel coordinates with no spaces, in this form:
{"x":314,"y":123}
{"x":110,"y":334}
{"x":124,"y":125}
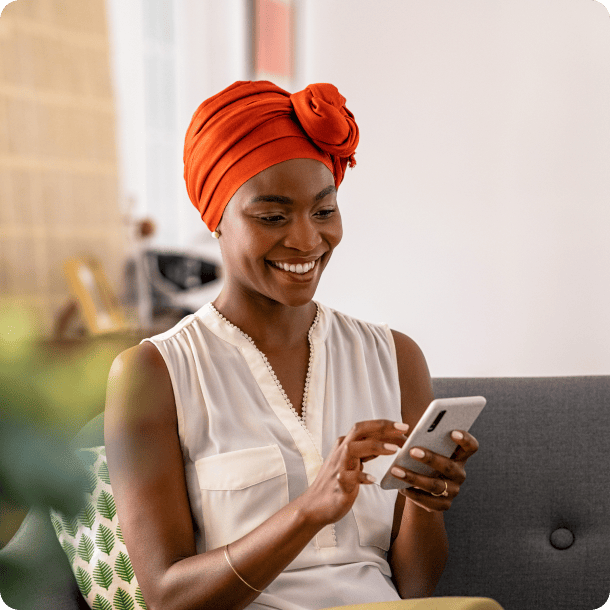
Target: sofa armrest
{"x":34,"y":571}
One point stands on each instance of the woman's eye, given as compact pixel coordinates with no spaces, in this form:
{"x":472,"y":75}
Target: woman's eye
{"x":279,"y":218}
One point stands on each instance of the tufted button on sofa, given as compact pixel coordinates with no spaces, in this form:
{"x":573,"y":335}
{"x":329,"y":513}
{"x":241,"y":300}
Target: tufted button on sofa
{"x":562,"y":538}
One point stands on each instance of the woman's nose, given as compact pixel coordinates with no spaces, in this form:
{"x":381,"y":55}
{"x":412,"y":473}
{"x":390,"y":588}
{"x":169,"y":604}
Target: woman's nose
{"x":303,"y":235}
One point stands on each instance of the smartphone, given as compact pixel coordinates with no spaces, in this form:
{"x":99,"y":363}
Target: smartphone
{"x":433,"y":432}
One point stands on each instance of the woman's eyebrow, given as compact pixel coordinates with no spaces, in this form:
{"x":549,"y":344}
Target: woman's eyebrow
{"x":287,"y":201}
{"x":327,"y":191}
{"x":272,"y":198}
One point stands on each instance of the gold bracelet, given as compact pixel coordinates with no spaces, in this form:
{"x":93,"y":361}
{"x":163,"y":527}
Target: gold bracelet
{"x":236,"y":573}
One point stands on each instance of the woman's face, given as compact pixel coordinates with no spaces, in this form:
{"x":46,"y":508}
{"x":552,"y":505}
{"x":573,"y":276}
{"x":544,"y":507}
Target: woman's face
{"x":279,"y":230}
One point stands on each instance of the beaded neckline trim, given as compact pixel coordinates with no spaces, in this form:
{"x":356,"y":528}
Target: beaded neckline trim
{"x":303,"y":416}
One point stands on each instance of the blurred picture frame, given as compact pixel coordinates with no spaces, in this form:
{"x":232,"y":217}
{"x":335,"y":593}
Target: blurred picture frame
{"x":99,"y":305}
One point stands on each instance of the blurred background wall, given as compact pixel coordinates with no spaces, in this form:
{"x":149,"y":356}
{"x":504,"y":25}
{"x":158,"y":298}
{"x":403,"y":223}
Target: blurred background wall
{"x":475,"y":221}
{"x":477,"y":217}
{"x":58,"y":155}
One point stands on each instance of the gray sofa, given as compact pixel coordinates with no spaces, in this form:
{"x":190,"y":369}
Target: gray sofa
{"x":531,"y":528}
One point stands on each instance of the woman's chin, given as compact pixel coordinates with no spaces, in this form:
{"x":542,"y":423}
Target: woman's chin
{"x":294,"y":300}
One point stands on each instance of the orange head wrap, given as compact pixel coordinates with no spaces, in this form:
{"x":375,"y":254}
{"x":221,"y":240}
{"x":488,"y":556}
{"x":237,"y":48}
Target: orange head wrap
{"x":252,"y":125}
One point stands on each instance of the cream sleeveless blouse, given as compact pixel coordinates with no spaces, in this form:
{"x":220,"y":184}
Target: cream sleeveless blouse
{"x":247,"y":454}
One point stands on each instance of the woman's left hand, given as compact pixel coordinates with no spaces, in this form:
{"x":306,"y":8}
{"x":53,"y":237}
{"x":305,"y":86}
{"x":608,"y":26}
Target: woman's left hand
{"x":436,"y":493}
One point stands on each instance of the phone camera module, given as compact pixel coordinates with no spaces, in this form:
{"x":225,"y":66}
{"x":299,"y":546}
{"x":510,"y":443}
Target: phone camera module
{"x":436,"y":421}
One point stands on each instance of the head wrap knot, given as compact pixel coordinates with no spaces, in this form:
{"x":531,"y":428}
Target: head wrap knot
{"x":321,"y":111}
{"x":252,"y":125}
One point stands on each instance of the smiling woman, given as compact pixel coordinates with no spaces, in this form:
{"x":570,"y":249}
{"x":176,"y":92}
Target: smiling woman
{"x":236,"y":440}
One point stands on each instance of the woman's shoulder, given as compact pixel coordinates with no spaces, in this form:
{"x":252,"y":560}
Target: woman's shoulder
{"x":179,"y":328}
{"x":406,"y":347}
{"x":178,"y":345}
{"x":140,"y":361}
{"x":411,"y":365}
{"x":139,"y":388}
{"x":346,"y":321}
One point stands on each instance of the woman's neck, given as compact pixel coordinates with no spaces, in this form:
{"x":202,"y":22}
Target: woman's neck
{"x":272,"y":326}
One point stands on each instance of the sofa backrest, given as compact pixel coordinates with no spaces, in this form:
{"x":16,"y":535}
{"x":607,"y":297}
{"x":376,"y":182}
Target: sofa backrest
{"x":531,"y":528}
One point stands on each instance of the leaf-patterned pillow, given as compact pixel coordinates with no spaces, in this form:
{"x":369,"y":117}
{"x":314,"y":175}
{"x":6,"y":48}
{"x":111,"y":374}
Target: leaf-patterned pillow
{"x":94,"y":544}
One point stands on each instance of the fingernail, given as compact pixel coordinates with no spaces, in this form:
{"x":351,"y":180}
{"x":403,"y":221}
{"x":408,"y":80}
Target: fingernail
{"x":397,"y":472}
{"x":417,"y":453}
{"x":390,"y":447}
{"x":371,"y":478}
{"x":457,"y":436}
{"x":401,"y":426}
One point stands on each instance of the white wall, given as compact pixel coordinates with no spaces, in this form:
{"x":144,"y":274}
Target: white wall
{"x":477,"y":218}
{"x":214,"y":55}
{"x":202,"y":45}
{"x":127,"y":50}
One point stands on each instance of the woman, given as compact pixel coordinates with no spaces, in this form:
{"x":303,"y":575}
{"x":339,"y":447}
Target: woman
{"x":236,"y":440}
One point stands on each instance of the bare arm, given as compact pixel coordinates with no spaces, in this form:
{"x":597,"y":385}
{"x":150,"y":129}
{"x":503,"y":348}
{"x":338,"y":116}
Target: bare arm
{"x":147,"y":473}
{"x":419,"y":551}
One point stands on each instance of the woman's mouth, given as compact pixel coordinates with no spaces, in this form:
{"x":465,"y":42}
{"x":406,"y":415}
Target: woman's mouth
{"x":298,"y":269}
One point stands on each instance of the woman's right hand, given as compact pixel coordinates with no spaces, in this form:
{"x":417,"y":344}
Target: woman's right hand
{"x":335,"y":489}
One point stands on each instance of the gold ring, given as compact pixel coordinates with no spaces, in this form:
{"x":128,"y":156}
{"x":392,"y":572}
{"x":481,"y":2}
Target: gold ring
{"x":444,"y":493}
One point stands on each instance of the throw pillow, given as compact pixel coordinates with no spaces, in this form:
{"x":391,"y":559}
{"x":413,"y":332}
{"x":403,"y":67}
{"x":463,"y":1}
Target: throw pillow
{"x":94,"y":544}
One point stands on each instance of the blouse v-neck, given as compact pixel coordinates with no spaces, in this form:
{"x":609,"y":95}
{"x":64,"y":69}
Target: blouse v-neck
{"x":308,"y":438}
{"x":302,"y":417}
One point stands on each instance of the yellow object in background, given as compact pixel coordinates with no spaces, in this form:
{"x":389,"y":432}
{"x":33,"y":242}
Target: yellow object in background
{"x":100,"y":307}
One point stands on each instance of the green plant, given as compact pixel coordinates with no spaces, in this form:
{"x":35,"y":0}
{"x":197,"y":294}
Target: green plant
{"x":42,"y":401}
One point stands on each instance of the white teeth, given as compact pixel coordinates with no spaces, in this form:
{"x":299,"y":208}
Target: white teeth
{"x":299,"y":269}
